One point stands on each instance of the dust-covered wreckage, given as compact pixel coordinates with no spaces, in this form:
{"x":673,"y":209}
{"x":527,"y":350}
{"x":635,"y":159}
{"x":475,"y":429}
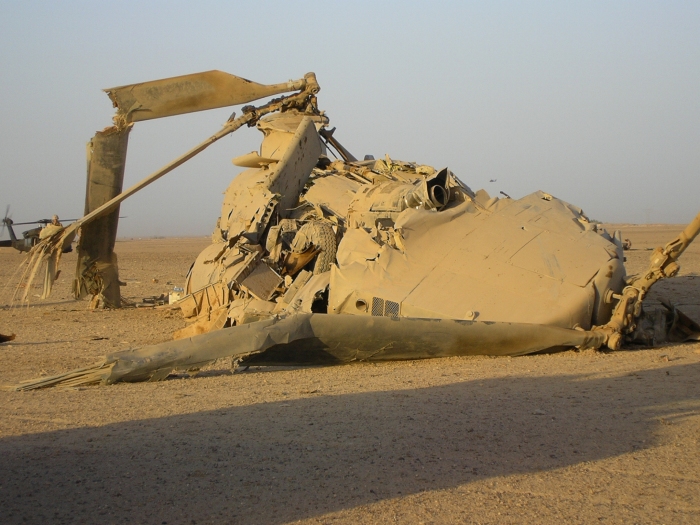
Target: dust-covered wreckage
{"x":319,"y":257}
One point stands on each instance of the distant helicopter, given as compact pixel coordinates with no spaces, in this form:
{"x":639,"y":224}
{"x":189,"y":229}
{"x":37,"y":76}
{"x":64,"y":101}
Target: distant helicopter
{"x":29,"y":238}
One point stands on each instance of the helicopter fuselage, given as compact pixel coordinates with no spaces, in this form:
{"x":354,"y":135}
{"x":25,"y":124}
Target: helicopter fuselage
{"x":26,"y":242}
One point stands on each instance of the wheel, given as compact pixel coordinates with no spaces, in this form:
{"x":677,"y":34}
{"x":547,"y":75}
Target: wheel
{"x":321,"y":235}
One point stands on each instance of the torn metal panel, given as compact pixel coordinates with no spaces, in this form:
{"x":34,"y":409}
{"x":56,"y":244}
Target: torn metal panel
{"x":293,"y":290}
{"x":248,"y":205}
{"x":288,"y":121}
{"x":262,"y":282}
{"x":205,"y":300}
{"x":222,"y":263}
{"x":215,"y":320}
{"x":244,"y":311}
{"x":333,"y":193}
{"x":311,"y":292}
{"x":293,"y":170}
{"x":206,"y":269}
{"x":282,"y":169}
{"x":279,"y":135}
{"x":357,"y":246}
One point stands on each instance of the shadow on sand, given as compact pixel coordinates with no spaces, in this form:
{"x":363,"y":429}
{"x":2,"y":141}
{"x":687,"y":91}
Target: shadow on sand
{"x":281,"y":461}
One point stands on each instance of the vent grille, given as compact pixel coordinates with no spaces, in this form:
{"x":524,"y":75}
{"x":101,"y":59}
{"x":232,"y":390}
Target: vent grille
{"x":391,"y":309}
{"x":382,"y":308}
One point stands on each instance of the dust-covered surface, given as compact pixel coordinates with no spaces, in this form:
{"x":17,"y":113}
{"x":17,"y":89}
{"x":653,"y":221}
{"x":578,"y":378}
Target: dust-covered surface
{"x":577,"y":436}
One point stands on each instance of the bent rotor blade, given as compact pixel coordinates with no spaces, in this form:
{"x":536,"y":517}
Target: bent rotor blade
{"x":345,"y":337}
{"x":189,"y":93}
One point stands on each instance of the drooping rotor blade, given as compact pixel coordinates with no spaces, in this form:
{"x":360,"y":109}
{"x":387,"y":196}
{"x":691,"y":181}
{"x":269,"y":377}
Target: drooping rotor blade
{"x":189,"y":93}
{"x":25,"y":223}
{"x":346,"y":338}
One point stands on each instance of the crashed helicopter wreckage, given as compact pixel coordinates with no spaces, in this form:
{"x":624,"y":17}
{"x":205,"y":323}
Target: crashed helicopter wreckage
{"x":315,"y":260}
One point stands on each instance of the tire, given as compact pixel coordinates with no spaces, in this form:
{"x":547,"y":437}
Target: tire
{"x":322,"y":236}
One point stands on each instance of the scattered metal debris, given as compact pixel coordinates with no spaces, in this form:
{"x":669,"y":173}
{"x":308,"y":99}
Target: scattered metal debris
{"x":155,"y":300}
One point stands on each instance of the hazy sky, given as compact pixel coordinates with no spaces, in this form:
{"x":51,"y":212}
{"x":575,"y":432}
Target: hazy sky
{"x":597,"y":103}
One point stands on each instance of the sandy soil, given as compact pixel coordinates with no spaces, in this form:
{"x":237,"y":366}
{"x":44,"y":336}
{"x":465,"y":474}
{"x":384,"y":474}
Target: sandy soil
{"x":578,"y":437}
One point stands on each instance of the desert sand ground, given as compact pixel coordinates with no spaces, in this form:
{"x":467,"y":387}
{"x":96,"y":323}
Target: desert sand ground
{"x":576,"y":437}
